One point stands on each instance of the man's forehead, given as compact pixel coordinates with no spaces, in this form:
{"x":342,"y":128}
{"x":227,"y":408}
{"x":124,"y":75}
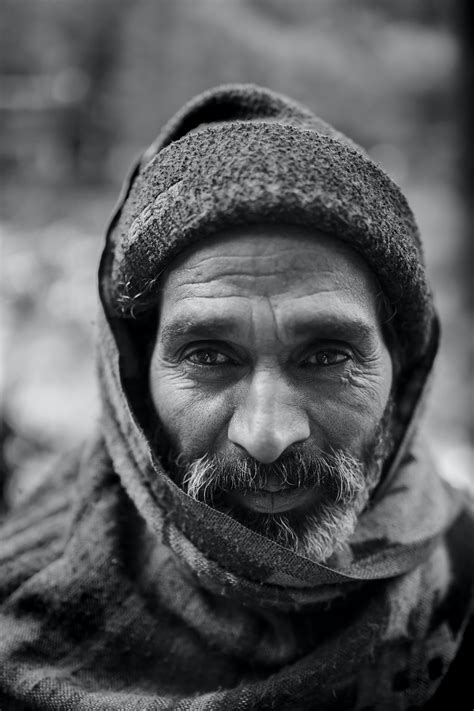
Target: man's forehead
{"x":270,"y":257}
{"x":307,"y":282}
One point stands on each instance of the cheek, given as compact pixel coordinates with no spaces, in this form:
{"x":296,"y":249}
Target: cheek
{"x":194,"y":421}
{"x":348,"y":414}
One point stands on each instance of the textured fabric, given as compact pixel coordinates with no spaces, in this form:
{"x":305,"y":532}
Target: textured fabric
{"x":118,"y":591}
{"x":113,"y":619}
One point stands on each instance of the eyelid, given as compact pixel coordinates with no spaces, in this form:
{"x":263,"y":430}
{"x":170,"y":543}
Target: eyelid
{"x":189,"y":356}
{"x":345,"y":356}
{"x":328,"y":345}
{"x":216,"y":346}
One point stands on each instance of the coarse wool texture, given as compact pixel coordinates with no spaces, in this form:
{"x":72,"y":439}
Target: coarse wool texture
{"x":118,"y":591}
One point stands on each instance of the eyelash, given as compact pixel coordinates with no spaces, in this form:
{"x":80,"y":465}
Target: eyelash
{"x":332,"y":351}
{"x":346,"y":356}
{"x":209,"y":351}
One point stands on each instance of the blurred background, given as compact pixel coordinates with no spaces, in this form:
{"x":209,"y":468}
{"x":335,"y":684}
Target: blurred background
{"x":85,"y":84}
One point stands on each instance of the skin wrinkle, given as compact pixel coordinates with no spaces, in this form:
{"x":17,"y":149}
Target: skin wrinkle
{"x":184,"y":325}
{"x":266,"y":393}
{"x":251,"y":278}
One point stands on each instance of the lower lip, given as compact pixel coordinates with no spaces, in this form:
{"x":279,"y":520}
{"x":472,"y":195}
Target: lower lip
{"x":273,"y":502}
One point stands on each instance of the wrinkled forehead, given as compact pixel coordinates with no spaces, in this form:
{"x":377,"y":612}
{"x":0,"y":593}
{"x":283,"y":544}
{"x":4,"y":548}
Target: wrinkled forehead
{"x":272,"y":261}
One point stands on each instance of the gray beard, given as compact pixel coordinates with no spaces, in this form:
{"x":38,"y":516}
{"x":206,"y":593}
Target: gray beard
{"x":343,"y":482}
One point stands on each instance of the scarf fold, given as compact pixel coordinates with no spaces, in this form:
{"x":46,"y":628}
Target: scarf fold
{"x":391,"y":538}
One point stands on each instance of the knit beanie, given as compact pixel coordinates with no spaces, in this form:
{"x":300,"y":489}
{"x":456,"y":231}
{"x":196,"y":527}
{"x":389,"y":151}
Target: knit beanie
{"x":242,"y":154}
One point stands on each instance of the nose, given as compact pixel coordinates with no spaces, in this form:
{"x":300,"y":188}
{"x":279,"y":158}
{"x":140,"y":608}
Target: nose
{"x":268,"y":418}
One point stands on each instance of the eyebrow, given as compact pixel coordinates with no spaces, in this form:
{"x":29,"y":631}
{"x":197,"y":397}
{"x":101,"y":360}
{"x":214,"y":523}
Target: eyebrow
{"x":212,"y":327}
{"x":336,"y":326}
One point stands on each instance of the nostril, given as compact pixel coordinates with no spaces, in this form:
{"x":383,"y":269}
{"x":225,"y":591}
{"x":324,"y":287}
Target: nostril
{"x":267,"y":420}
{"x":263,"y":443}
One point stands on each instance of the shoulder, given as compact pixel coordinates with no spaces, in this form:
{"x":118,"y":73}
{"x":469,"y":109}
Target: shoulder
{"x":34,"y":533}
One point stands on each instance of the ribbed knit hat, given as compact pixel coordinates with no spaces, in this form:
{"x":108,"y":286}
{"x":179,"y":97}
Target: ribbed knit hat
{"x":242,"y":154}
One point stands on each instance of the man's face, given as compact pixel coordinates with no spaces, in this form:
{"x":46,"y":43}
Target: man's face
{"x":270,"y":376}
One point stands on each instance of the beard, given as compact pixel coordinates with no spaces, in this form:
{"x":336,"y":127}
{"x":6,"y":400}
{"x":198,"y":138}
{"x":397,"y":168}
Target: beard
{"x":343,"y":484}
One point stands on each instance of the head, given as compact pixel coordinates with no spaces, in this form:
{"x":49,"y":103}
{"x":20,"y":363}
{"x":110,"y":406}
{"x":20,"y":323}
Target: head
{"x":272,"y":245}
{"x":271,"y":378}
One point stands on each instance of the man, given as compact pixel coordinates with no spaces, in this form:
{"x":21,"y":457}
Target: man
{"x":257,"y":525}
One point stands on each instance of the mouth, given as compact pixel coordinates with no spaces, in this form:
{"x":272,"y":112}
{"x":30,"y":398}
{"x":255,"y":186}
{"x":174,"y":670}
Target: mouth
{"x":270,"y":501}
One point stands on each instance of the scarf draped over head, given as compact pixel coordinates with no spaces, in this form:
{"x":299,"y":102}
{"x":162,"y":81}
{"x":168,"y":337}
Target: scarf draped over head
{"x":148,"y":599}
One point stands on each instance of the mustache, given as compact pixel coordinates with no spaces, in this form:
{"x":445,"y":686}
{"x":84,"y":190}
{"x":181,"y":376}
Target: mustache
{"x":339,"y":476}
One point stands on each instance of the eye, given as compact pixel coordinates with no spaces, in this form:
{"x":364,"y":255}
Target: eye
{"x":207,"y":356}
{"x":327,"y":357}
